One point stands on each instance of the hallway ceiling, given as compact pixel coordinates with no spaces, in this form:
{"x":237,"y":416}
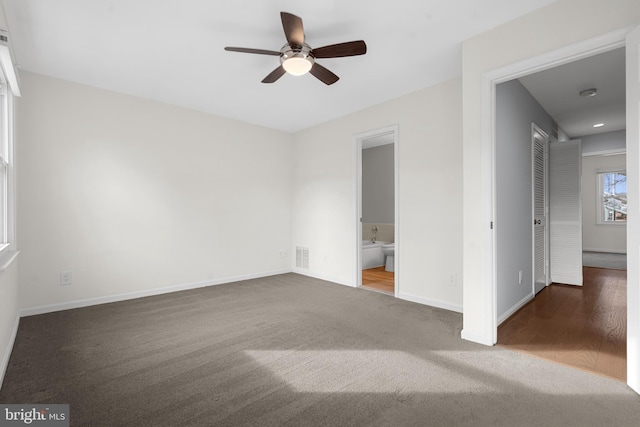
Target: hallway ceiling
{"x":172,"y":51}
{"x":557,"y":90}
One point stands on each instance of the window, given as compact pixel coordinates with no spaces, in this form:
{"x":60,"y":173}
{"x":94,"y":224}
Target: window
{"x":9,"y":88}
{"x":7,"y":241}
{"x":612,"y":197}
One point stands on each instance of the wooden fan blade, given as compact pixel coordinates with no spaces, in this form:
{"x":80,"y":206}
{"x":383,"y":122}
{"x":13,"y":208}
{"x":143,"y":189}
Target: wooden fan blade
{"x":339,"y":50}
{"x":293,"y":29}
{"x":274,"y":75}
{"x":324,"y":75}
{"x":249,"y":50}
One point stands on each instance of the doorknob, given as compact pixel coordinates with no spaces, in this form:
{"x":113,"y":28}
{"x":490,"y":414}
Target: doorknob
{"x":537,"y":222}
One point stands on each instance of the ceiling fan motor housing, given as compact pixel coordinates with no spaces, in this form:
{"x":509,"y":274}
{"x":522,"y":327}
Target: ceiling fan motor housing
{"x":298,"y":59}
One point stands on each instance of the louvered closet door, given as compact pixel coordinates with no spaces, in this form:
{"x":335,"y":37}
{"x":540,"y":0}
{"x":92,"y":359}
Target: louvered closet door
{"x":565,"y":212}
{"x":539,"y":209}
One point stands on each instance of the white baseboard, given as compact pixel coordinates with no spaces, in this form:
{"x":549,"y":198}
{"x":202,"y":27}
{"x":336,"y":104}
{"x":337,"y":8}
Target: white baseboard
{"x":480,"y":339}
{"x":431,"y":302}
{"x":515,"y":308}
{"x":407,"y":297}
{"x":4,"y":363}
{"x":32,"y":311}
{"x":608,"y":251}
{"x":305,"y":272}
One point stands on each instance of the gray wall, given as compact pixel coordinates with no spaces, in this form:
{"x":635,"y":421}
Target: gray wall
{"x":603,"y":142}
{"x":516,"y":109}
{"x":378,"y":185}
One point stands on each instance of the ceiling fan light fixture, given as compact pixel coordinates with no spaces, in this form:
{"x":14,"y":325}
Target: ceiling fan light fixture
{"x":297,"y":65}
{"x":296,"y":61}
{"x":588,"y":93}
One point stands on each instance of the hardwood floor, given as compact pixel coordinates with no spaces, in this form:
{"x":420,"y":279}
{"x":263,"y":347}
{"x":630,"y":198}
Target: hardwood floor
{"x":378,"y":279}
{"x":584,"y":327}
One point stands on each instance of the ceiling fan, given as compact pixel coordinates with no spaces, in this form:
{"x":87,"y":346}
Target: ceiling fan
{"x":298,"y":58}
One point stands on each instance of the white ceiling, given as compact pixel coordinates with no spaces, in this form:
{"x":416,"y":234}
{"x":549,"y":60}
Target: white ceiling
{"x":172,"y":51}
{"x":557,"y":90}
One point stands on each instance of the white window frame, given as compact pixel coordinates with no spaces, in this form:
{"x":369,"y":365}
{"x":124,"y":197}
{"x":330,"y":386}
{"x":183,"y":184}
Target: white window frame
{"x":600,"y":217}
{"x":9,"y":89}
{"x":7,"y":194}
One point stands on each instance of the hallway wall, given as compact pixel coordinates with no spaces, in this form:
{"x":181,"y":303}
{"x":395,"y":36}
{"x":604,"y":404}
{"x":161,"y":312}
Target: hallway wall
{"x":516,"y":109}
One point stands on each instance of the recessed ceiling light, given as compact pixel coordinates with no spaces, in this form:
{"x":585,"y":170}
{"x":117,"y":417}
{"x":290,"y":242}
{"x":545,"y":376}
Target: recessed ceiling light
{"x":598,"y":125}
{"x":588,"y":93}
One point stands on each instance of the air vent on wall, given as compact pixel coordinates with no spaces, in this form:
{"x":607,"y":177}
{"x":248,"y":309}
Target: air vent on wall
{"x":302,"y":257}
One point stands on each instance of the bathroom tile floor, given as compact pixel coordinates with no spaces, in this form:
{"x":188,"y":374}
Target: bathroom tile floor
{"x":379,"y":280}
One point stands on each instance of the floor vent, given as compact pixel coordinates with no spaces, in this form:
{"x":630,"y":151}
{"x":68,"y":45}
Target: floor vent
{"x":302,"y":257}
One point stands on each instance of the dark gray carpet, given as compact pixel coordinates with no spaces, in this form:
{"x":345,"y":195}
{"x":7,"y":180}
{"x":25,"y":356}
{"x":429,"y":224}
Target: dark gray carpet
{"x":294,"y":351}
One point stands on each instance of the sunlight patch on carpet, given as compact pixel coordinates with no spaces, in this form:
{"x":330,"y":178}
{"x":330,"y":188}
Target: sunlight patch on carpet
{"x":363,"y":371}
{"x":441,"y":372}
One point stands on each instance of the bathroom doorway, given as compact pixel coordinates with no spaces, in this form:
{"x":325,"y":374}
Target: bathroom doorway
{"x":377,"y":210}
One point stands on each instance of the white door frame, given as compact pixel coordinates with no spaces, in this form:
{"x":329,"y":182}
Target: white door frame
{"x":387,"y":130}
{"x":536,"y":129}
{"x":632,"y":56}
{"x":490,"y":80}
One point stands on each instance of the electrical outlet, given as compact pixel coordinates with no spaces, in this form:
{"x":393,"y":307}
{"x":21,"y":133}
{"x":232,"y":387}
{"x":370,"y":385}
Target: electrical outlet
{"x":520,"y":277}
{"x":65,"y":278}
{"x":453,"y":280}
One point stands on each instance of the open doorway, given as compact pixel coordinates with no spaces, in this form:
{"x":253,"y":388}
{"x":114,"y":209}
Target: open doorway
{"x":376,"y":184}
{"x":582,"y":101}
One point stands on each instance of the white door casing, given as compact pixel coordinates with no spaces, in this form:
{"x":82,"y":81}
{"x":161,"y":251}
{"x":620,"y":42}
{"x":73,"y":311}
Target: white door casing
{"x":540,"y":141}
{"x":486,"y":332}
{"x":359,"y":138}
{"x":633,"y":207}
